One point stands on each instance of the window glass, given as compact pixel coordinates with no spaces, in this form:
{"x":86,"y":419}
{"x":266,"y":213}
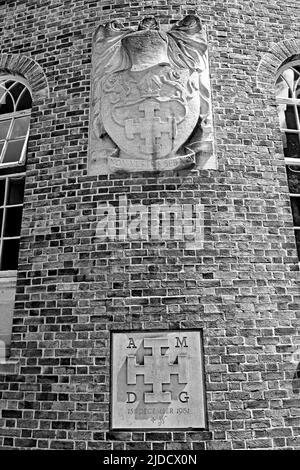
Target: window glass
{"x":2,"y":191}
{"x":4,"y":128}
{"x":16,"y":89}
{"x":13,"y":151}
{"x":10,"y":253}
{"x":287,"y":85}
{"x":15,"y":191}
{"x":20,"y":127}
{"x":6,"y":104}
{"x":290,"y":117}
{"x":295,"y":201}
{"x":25,"y":101}
{"x":292,"y":145}
{"x":12,"y":226}
{"x":283,"y":89}
{"x":293,"y":174}
{"x":9,"y":84}
{"x":297,"y":235}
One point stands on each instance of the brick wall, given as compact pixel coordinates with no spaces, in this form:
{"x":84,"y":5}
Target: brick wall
{"x":241,"y":288}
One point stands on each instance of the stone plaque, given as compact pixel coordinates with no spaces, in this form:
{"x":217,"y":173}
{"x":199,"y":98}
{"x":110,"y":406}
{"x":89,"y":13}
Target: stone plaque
{"x":157,"y":380}
{"x":150,"y":99}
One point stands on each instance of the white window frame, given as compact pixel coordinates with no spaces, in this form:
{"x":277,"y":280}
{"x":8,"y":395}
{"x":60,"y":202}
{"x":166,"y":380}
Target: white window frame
{"x":5,"y":206}
{"x":14,"y":115}
{"x":289,"y":161}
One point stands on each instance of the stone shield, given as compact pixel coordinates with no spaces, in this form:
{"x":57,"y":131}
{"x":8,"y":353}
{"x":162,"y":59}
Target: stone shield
{"x":150,"y":114}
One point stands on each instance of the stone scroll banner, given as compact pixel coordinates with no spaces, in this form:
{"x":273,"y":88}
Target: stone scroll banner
{"x":150,"y":103}
{"x":157,"y":380}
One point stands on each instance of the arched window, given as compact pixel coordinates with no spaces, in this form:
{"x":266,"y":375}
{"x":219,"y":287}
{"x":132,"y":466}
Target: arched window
{"x":15,"y":109}
{"x":288,"y":100}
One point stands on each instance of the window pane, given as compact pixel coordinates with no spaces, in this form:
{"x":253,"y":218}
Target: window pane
{"x":12,"y":223}
{"x":25,"y":101}
{"x":20,"y":127}
{"x":293,"y":174}
{"x":283,"y":89}
{"x":295,"y":201}
{"x":9,"y":84}
{"x":13,"y":151}
{"x":16,"y":89}
{"x":2,"y":191}
{"x":6,"y":102}
{"x":291,"y":145}
{"x":15,"y":191}
{"x":1,"y":219}
{"x":281,"y":113}
{"x":4,"y":126}
{"x":297,"y":235}
{"x":291,"y":75}
{"x":298,"y":89}
{"x":10,"y":250}
{"x":289,"y":117}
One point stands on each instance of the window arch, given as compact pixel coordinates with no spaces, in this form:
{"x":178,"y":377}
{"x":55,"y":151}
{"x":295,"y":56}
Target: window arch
{"x":15,"y":109}
{"x":288,"y":101}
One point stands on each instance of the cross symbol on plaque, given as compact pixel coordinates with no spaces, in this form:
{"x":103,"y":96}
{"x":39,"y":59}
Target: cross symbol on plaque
{"x":157,"y":370}
{"x":150,"y":127}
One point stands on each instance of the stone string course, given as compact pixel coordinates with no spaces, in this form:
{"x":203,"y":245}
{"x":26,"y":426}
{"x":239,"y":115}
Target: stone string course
{"x":242,"y":288}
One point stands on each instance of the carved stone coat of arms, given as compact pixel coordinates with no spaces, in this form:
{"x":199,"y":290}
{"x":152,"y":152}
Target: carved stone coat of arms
{"x":150,"y":107}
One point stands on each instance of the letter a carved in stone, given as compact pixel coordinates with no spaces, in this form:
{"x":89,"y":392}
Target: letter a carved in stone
{"x":150,"y":104}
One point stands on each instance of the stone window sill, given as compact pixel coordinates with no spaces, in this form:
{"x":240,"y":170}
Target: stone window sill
{"x":8,"y":275}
